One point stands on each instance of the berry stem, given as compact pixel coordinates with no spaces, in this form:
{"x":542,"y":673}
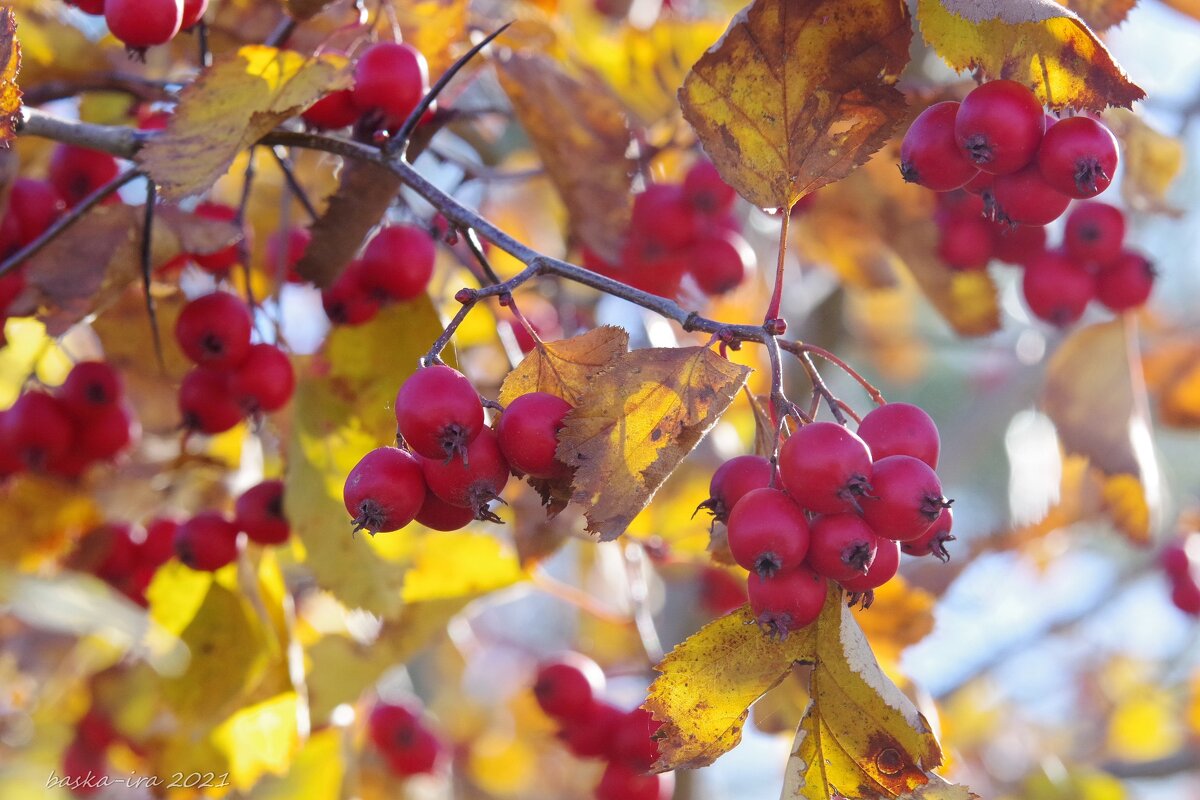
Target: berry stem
{"x":821,"y":389}
{"x":433,"y":356}
{"x":239,"y":219}
{"x":297,"y":190}
{"x":785,"y":217}
{"x":799,"y":348}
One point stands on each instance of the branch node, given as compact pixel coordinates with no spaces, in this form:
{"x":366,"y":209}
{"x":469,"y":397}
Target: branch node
{"x":466,"y":295}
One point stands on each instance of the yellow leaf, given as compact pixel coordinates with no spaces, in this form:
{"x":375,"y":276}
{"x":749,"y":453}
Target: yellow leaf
{"x":781,"y":709}
{"x":581,"y":132}
{"x":459,"y":564}
{"x":938,"y":789}
{"x":503,"y":765}
{"x":316,"y":772}
{"x":1152,"y":160}
{"x":1037,"y":42}
{"x":798,"y":93}
{"x":565,"y":368}
{"x":1128,"y":506}
{"x":230,"y":107}
{"x":259,"y":739}
{"x":434,"y":27}
{"x":53,"y":49}
{"x":40,"y":518}
{"x":1145,"y":725}
{"x":10,"y":65}
{"x":636,"y":423}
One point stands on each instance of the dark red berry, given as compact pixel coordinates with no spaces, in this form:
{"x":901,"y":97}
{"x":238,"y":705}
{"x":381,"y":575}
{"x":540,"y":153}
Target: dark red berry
{"x":437,"y":514}
{"x":958,"y":204}
{"x":334,"y":110}
{"x":999,"y":126}
{"x":841,"y":547}
{"x":259,"y":513}
{"x":591,"y":735}
{"x":981,"y":183}
{"x":650,"y":263}
{"x":207,"y":402}
{"x":398,"y":263}
{"x":472,"y":481}
{"x":159,"y":543}
{"x":438,"y":412}
{"x":36,"y":430}
{"x":528,"y":433}
{"x":768,"y":532}
{"x":95,"y":730}
{"x":633,"y":741}
{"x":347,"y":301}
{"x":966,"y":243}
{"x":76,"y":172}
{"x":1057,"y":289}
{"x":384,"y":491}
{"x":930,"y":155}
{"x":1018,"y":244}
{"x":901,"y":429}
{"x":933,"y":541}
{"x":1078,"y":157}
{"x":567,"y":687}
{"x":1024,"y":198}
{"x":219,"y":262}
{"x":1094,"y":234}
{"x":391,"y":726}
{"x":623,"y":782}
{"x":1185,"y":594}
{"x":206,"y":542}
{"x":662,"y":212}
{"x":93,"y":7}
{"x":905,"y":499}
{"x":882,"y":570}
{"x":193,"y":10}
{"x":143,"y":23}
{"x":390,"y":78}
{"x":786,"y":602}
{"x":265,"y":380}
{"x":825,"y":467}
{"x":1174,"y":558}
{"x":720,"y":261}
{"x":35,"y":205}
{"x":84,"y":768}
{"x":1126,"y":283}
{"x":106,"y":434}
{"x":706,"y":191}
{"x":732,"y":481}
{"x":418,"y":756}
{"x":214,"y":330}
{"x":91,"y":388}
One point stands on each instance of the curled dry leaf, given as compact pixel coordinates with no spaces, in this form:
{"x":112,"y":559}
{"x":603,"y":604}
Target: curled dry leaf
{"x":798,"y":93}
{"x":1035,"y":42}
{"x":565,"y":368}
{"x":1100,"y":15}
{"x":10,"y":65}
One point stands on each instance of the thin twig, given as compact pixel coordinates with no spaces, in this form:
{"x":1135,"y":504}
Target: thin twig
{"x":147,"y":242}
{"x":799,"y":348}
{"x":473,"y":244}
{"x":294,"y":185}
{"x":205,"y":54}
{"x":243,"y":246}
{"x":433,"y":356}
{"x":135,"y":86}
{"x":282,"y":32}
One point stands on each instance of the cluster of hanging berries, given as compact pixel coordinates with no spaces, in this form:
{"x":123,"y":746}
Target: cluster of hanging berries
{"x":404,"y":740}
{"x":847,"y":506}
{"x":395,"y":266}
{"x":209,"y":540}
{"x":84,"y":421}
{"x":390,"y":78}
{"x":682,"y":229}
{"x":1180,"y":562}
{"x":569,"y":690}
{"x":140,"y":24}
{"x":233,"y":378}
{"x":126,"y":556}
{"x":453,"y":466}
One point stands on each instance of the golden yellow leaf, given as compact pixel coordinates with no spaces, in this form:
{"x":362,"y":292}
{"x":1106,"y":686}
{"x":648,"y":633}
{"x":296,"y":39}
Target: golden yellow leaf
{"x":798,"y":93}
{"x":316,"y":772}
{"x":40,"y":518}
{"x":1037,"y":42}
{"x":259,"y":739}
{"x":10,"y":65}
{"x":938,"y":789}
{"x":434,"y":27}
{"x":52,"y":48}
{"x":581,"y":131}
{"x":636,"y":423}
{"x":1173,"y":376}
{"x":230,"y":107}
{"x":459,"y":564}
{"x":1152,"y":161}
{"x":1100,"y":15}
{"x":1145,"y":725}
{"x":567,"y":367}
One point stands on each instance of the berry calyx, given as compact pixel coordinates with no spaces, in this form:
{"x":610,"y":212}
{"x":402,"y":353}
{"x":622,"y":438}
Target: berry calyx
{"x":825,"y":467}
{"x":768,"y":532}
{"x":1078,"y":157}
{"x":206,"y":542}
{"x":933,"y":541}
{"x":882,"y":570}
{"x":214,"y":330}
{"x":76,"y":172}
{"x":567,"y":687}
{"x":705,"y":190}
{"x":347,"y":301}
{"x":438,"y":413}
{"x":999,"y":126}
{"x":930,"y":155}
{"x":786,"y":602}
{"x":259,"y":513}
{"x":384,"y":491}
{"x":91,"y":388}
{"x":842,"y":546}
{"x":905,"y":500}
{"x":36,"y":430}
{"x":732,"y":481}
{"x":474,"y":480}
{"x":896,"y":429}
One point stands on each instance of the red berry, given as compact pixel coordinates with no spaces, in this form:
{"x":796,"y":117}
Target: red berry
{"x":35,"y":206}
{"x":528,"y":433}
{"x":1078,"y":157}
{"x":930,"y":155}
{"x":265,"y":380}
{"x":721,"y":592}
{"x":882,"y":570}
{"x":720,"y":261}
{"x":398,"y":263}
{"x":651,"y":264}
{"x":966,"y":243}
{"x":392,"y":726}
{"x":732,"y":481}
{"x":91,"y":388}
{"x":1017,"y":245}
{"x":1185,"y":594}
{"x":143,"y":23}
{"x":83,"y":768}
{"x":706,"y":191}
{"x":93,"y":7}
{"x":105,"y":435}
{"x":439,"y":515}
{"x":1094,"y":234}
{"x":905,"y":499}
{"x":999,"y":126}
{"x":438,"y":412}
{"x":768,"y":532}
{"x":334,"y":110}
{"x":933,"y":541}
{"x":825,"y":467}
{"x":474,"y":480}
{"x":1024,"y":198}
{"x":108,"y":552}
{"x":901,"y":429}
{"x":206,"y":401}
{"x":567,"y":687}
{"x":220,"y":262}
{"x":958,"y":204}
{"x":259,"y":513}
{"x":159,"y":544}
{"x":347,"y":301}
{"x":76,"y":172}
{"x":981,"y":183}
{"x":1125,"y":283}
{"x":193,"y":10}
{"x":391,"y":78}
{"x":842,"y":546}
{"x":786,"y":602}
{"x":37,"y":430}
{"x":416,"y":756}
{"x":1057,"y":289}
{"x":662,"y":212}
{"x":385,"y":490}
{"x":214,"y":330}
{"x":623,"y":782}
{"x":95,"y":730}
{"x":206,"y":542}
{"x":591,"y":735}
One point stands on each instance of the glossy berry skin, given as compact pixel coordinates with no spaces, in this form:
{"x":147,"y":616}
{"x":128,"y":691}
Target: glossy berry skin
{"x":35,"y":205}
{"x":528,"y":434}
{"x":1024,"y":198}
{"x":206,"y":401}
{"x":1017,"y":245}
{"x":334,"y":110}
{"x":662,"y":212}
{"x":417,"y":756}
{"x":966,"y":243}
{"x":842,"y":546}
{"x":933,"y":541}
{"x":705,"y":190}
{"x":591,"y":736}
{"x":1056,"y":289}
{"x":390,"y":78}
{"x":906,"y":498}
{"x":105,"y":435}
{"x":901,"y":429}
{"x":786,"y":602}
{"x":633,"y":743}
{"x":347,"y":301}
{"x":398,"y":263}
{"x":1094,"y":234}
{"x":999,"y":126}
{"x":620,"y":781}
{"x":768,"y":532}
{"x":143,"y":23}
{"x":436,"y":514}
{"x":732,"y":481}
{"x":882,"y":570}
{"x":36,"y":430}
{"x":720,"y":261}
{"x":472,"y":481}
{"x":1078,"y":157}
{"x":214,"y":330}
{"x":438,"y":412}
{"x":258,"y":512}
{"x":206,"y":542}
{"x":981,"y":183}
{"x":76,"y":172}
{"x":264,"y":380}
{"x":825,"y":467}
{"x":930,"y":155}
{"x":91,"y":388}
{"x":1126,"y":283}
{"x":193,"y":10}
{"x":567,"y":686}
{"x":159,"y":544}
{"x":384,"y":491}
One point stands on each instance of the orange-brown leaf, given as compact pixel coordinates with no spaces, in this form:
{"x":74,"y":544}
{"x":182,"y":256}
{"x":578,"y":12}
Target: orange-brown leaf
{"x":798,"y":93}
{"x":1100,"y":15}
{"x":565,"y":368}
{"x":10,"y":65}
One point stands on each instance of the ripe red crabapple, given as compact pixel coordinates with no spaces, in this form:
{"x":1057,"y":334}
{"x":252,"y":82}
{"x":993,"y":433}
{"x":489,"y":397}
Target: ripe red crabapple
{"x":882,"y":570}
{"x":895,"y":429}
{"x":620,"y":781}
{"x":1125,"y":283}
{"x":206,"y":542}
{"x":1078,"y":157}
{"x":706,"y":191}
{"x":906,"y":498}
{"x":91,"y":388}
{"x":842,"y":546}
{"x":347,"y":301}
{"x":143,"y":23}
{"x":436,"y":514}
{"x":1094,"y":234}
{"x":438,"y":412}
{"x":398,"y":263}
{"x":214,"y":330}
{"x":206,"y":401}
{"x":825,"y":467}
{"x":1017,"y":245}
{"x":264,"y":380}
{"x":966,"y":243}
{"x":720,"y":261}
{"x":633,"y":742}
{"x":472,"y":481}
{"x":528,"y":434}
{"x":768,"y":532}
{"x":930,"y":155}
{"x":334,"y":110}
{"x":732,"y":481}
{"x":76,"y":172}
{"x":591,"y":735}
{"x":567,"y":686}
{"x":384,"y":491}
{"x":259,"y":513}
{"x":999,"y":126}
{"x":390,"y":78}
{"x":36,"y":429}
{"x":1057,"y":289}
{"x":933,"y":541}
{"x":1024,"y":198}
{"x":662,"y":212}
{"x":787,"y":601}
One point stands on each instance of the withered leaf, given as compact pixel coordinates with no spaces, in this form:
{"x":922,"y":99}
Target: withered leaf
{"x":565,"y":368}
{"x":1100,"y":15}
{"x":10,"y":65}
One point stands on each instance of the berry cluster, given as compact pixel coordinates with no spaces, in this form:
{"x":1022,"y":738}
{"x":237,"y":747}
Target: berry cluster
{"x":209,"y":540}
{"x":126,"y":556}
{"x":682,"y":229}
{"x":390,"y":78}
{"x":395,"y":265}
{"x":848,"y":504}
{"x":232,"y":378}
{"x":453,"y":465}
{"x":140,"y":24}
{"x":1180,"y":562}
{"x":84,"y":421}
{"x":568,"y":689}
{"x":404,"y":740}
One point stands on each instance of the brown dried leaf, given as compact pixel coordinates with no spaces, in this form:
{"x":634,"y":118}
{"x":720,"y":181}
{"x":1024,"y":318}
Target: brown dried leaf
{"x":10,"y":65}
{"x":1100,"y":15}
{"x":636,"y":423}
{"x":305,"y":9}
{"x":567,"y":367}
{"x":798,"y":93}
{"x":581,"y":132}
